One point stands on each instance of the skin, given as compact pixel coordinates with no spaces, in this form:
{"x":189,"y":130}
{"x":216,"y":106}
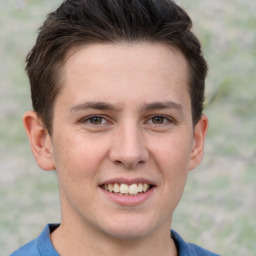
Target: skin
{"x":142,"y":129}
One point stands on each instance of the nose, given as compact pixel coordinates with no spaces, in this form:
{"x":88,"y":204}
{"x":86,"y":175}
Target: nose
{"x":128,"y":147}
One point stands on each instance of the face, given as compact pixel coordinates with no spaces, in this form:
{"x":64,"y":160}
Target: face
{"x":123,"y":140}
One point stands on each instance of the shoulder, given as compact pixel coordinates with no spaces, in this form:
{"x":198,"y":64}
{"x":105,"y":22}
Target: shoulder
{"x":197,"y":250}
{"x":29,"y":249}
{"x":41,"y":246}
{"x":188,"y":249}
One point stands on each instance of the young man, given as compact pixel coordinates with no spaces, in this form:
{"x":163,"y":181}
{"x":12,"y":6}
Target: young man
{"x":117,"y":90}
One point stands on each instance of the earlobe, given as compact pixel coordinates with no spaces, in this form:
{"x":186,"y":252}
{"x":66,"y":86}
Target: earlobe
{"x":198,"y":142}
{"x":40,"y":140}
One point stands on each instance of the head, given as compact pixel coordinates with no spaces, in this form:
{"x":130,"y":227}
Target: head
{"x":117,"y":88}
{"x":84,"y":22}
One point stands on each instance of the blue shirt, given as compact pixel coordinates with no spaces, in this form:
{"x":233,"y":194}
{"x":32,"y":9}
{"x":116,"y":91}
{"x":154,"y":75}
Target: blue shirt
{"x":42,"y":246}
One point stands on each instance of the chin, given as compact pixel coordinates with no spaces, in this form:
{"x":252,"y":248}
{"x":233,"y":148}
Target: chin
{"x":130,"y":229}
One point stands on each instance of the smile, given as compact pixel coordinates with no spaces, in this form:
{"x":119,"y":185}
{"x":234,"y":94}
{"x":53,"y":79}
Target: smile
{"x":127,"y":190}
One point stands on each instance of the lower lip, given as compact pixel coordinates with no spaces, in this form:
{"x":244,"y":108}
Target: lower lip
{"x":129,"y":200}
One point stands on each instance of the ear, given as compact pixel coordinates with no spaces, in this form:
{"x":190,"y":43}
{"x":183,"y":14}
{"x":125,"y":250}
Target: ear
{"x":40,"y":140}
{"x":198,"y":142}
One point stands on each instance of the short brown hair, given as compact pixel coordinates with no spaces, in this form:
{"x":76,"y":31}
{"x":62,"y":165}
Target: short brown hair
{"x":80,"y":22}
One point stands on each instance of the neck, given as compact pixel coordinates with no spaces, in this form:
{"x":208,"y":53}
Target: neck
{"x":68,"y":240}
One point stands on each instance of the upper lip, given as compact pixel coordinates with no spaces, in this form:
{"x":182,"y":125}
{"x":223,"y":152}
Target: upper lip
{"x":121,"y":180}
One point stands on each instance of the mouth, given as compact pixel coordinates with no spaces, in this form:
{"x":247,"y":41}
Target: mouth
{"x":126,"y":189}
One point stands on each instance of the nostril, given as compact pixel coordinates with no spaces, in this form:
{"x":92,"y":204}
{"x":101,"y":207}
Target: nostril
{"x":129,"y":164}
{"x":141,"y":162}
{"x":118,"y":162}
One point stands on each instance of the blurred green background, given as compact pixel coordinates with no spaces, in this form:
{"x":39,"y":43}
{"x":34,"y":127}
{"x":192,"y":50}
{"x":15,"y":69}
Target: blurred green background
{"x":218,"y":208}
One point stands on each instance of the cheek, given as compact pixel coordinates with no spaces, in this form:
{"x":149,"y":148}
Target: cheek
{"x":173,"y":154}
{"x":76,"y":159}
{"x":79,"y":160}
{"x":172,"y":157}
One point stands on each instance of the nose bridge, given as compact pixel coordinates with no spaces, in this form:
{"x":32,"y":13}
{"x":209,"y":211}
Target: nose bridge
{"x":128,"y":146}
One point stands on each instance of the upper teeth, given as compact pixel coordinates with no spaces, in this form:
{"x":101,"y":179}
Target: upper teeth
{"x":132,"y":189}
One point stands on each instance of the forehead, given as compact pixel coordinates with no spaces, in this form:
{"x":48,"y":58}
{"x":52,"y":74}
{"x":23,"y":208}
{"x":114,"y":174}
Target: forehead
{"x":101,"y":71}
{"x":153,"y":55}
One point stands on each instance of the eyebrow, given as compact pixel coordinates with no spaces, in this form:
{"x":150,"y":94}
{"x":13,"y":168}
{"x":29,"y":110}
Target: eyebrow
{"x":162,"y":105}
{"x":145,"y":107}
{"x":94,"y":105}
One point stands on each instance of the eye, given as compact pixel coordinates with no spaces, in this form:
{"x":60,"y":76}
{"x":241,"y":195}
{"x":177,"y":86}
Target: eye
{"x":96,"y":120}
{"x":160,"y":119}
